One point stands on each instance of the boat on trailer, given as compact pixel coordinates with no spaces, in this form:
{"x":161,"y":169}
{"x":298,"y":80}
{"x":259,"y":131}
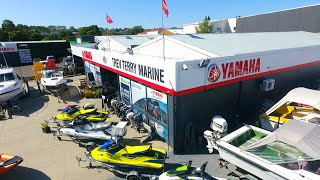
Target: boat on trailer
{"x":10,"y":85}
{"x":53,"y":80}
{"x":300,"y":104}
{"x":290,"y":152}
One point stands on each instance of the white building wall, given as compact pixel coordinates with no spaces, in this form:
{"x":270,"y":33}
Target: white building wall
{"x":190,"y":28}
{"x":232,"y":24}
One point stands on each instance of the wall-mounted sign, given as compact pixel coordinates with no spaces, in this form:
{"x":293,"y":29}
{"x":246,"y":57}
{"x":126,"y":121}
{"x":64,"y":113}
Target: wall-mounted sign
{"x":158,"y":109}
{"x":24,"y":53}
{"x":125,"y":89}
{"x":138,"y":95}
{"x":86,"y":55}
{"x":233,"y":69}
{"x":8,"y":48}
{"x":155,"y":74}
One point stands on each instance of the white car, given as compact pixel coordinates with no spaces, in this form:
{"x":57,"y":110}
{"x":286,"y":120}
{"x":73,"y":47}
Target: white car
{"x":51,"y":58}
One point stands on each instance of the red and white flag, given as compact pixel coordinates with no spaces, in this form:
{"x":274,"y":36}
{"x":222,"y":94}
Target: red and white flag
{"x":109,"y":20}
{"x":165,"y":8}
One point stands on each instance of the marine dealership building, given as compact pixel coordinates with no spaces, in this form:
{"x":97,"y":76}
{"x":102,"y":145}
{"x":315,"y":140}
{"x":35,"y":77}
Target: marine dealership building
{"x":179,"y":82}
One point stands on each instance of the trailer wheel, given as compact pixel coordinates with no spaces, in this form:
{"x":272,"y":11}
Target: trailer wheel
{"x":134,"y":175}
{"x":89,"y":148}
{"x":59,"y":138}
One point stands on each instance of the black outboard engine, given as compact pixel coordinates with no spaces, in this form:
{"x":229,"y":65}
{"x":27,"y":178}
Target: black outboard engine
{"x":137,"y":120}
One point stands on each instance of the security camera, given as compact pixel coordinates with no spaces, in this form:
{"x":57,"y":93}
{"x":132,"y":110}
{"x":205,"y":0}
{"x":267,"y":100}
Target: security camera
{"x":184,"y":67}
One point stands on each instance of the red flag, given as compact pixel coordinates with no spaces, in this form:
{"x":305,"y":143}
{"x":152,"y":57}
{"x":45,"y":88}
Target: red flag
{"x":109,"y":20}
{"x":165,"y":8}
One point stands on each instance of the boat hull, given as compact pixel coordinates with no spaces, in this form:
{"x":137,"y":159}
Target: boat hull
{"x":252,"y":163}
{"x":7,"y":162}
{"x":11,"y":94}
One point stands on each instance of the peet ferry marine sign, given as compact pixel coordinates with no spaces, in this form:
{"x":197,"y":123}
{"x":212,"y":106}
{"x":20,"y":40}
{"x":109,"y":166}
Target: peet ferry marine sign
{"x":234,"y":69}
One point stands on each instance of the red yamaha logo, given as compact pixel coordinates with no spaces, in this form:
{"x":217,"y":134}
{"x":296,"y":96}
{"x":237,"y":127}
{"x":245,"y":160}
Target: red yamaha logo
{"x":214,"y":73}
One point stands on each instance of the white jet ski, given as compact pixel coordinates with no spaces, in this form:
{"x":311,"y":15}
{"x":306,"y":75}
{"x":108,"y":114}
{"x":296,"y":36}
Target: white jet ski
{"x":99,"y":131}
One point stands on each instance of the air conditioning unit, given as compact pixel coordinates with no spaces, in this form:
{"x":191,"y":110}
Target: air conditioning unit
{"x":267,"y":84}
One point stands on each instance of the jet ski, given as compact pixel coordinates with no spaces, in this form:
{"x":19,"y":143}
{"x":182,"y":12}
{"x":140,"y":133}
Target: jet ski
{"x":8,"y":161}
{"x":136,"y":157}
{"x":100,"y":131}
{"x":187,"y":172}
{"x":71,"y":112}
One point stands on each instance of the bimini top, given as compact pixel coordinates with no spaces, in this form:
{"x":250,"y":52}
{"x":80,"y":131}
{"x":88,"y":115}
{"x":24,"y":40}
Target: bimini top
{"x":230,"y":44}
{"x":301,"y":135}
{"x":299,"y":95}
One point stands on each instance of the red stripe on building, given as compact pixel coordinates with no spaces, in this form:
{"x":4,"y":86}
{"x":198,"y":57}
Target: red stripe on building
{"x":200,"y":88}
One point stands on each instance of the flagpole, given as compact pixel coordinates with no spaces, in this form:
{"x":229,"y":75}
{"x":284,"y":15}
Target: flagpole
{"x":163,"y":45}
{"x":108,"y":46}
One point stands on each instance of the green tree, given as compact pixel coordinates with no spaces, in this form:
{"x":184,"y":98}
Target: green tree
{"x":72,"y":29}
{"x":8,"y":25}
{"x":135,"y":30}
{"x":90,"y":30}
{"x":205,"y":26}
{"x":3,"y":35}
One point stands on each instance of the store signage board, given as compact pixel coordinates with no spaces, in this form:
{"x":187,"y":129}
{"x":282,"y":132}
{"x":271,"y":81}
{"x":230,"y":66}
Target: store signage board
{"x":125,"y":89}
{"x":8,"y":48}
{"x":158,"y":109}
{"x":138,"y":95}
{"x":150,"y":71}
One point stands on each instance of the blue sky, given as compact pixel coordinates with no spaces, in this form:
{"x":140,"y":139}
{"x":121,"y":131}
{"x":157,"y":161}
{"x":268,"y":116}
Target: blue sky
{"x":128,"y":13}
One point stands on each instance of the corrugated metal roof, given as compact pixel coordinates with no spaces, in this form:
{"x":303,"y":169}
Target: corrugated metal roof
{"x":230,"y":44}
{"x":133,"y":40}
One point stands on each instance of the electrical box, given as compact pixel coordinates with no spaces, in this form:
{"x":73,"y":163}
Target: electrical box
{"x":268,"y":84}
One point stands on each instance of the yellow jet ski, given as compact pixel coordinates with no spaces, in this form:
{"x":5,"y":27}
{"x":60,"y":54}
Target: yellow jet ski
{"x":73,"y":111}
{"x":130,"y":156}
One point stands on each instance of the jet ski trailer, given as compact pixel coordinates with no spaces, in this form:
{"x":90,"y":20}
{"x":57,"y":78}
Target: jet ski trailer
{"x":129,"y":174}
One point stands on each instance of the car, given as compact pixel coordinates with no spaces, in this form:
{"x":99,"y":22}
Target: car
{"x":73,"y":111}
{"x":51,"y":58}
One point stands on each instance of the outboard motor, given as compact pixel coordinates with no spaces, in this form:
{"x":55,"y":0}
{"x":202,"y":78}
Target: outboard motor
{"x":219,"y":126}
{"x":114,"y":102}
{"x":88,"y":106}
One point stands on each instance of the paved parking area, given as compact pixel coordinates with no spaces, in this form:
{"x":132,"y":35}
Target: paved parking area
{"x":47,"y":158}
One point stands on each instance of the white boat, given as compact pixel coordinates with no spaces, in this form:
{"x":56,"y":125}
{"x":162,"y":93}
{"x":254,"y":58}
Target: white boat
{"x":290,"y":152}
{"x":52,"y":80}
{"x":10,"y":84}
{"x":300,"y":104}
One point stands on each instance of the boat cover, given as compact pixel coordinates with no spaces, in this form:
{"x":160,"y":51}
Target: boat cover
{"x":299,"y":95}
{"x":302,"y":135}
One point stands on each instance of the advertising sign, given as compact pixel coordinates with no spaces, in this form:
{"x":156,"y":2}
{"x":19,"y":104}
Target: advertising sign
{"x":138,"y":95}
{"x":24,"y":53}
{"x":125,"y":90}
{"x":158,"y":109}
{"x":8,"y":48}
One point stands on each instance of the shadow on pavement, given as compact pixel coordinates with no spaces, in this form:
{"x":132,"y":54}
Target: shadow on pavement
{"x":71,"y":95}
{"x":22,"y":173}
{"x":31,"y":104}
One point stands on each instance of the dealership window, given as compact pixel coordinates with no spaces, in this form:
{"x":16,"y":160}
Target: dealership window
{"x":151,"y":103}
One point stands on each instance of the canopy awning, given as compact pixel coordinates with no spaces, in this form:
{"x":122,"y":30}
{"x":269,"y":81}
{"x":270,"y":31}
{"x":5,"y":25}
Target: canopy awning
{"x":302,"y":135}
{"x":299,"y":95}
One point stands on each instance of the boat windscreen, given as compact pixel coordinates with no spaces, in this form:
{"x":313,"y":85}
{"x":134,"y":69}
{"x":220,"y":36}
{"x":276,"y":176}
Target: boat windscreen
{"x":7,"y":77}
{"x":279,"y":153}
